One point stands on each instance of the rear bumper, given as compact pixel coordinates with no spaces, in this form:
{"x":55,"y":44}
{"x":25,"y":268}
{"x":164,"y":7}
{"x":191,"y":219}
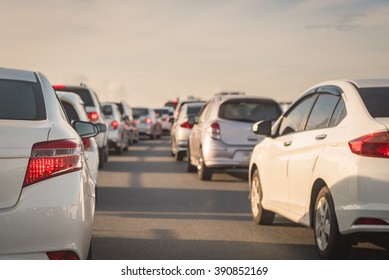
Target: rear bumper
{"x":52,"y":215}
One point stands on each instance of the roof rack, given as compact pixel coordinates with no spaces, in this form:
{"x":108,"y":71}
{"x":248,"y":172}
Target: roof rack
{"x":230,"y":93}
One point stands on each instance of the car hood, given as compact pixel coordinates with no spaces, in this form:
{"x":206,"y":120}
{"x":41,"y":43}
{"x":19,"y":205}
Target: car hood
{"x":17,"y":138}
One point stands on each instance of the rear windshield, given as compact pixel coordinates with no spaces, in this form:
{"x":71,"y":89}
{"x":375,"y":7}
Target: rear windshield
{"x":194,"y":109}
{"x":107,"y":110}
{"x":84,"y":94}
{"x":139,"y":112}
{"x":249,"y":110}
{"x":376,"y":101}
{"x":21,"y":100}
{"x":70,"y":111}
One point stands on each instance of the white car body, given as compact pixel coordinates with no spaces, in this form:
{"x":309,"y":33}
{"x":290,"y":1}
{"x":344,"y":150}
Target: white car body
{"x":92,"y":151}
{"x":293,"y":167}
{"x":54,"y":214}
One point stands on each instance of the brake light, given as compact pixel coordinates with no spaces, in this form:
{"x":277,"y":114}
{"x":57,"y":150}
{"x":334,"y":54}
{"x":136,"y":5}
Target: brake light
{"x":166,"y":119}
{"x":135,"y":122}
{"x":186,"y":124}
{"x":58,"y":87}
{"x":370,"y":221}
{"x":147,"y":120}
{"x":372,"y":145}
{"x":52,"y":158}
{"x":87,"y":143}
{"x":62,"y":255}
{"x":214,"y":131}
{"x":93,"y":116}
{"x":114,"y":124}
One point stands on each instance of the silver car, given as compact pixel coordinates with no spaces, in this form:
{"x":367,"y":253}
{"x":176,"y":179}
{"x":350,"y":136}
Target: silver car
{"x":181,"y":128}
{"x":222,"y":137}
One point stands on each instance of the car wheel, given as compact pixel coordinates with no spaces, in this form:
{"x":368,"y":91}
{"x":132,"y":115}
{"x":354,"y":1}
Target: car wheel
{"x":329,"y":242}
{"x":204,"y":173}
{"x":190,"y":168}
{"x":261,"y":216}
{"x":101,"y":157}
{"x":180,"y":155}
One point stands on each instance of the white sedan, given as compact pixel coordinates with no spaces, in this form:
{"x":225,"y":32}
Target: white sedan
{"x":47,"y":194}
{"x":324,"y":164}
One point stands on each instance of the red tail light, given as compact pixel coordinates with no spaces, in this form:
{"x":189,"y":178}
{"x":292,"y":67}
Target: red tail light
{"x":93,"y":116}
{"x":166,"y":119}
{"x":186,"y":124}
{"x":147,"y":120}
{"x":136,"y":122}
{"x":114,"y":124}
{"x":370,"y":221}
{"x":53,"y":158}
{"x":372,"y":145}
{"x":58,"y":87}
{"x":214,"y":131}
{"x":87,"y":143}
{"x":62,"y":255}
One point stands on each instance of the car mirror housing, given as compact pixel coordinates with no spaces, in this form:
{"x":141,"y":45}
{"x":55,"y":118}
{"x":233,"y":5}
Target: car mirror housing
{"x":262,"y":128}
{"x":86,"y":129}
{"x":102,"y":127}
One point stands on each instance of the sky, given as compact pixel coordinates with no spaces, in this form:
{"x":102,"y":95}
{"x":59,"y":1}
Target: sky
{"x":147,"y":52}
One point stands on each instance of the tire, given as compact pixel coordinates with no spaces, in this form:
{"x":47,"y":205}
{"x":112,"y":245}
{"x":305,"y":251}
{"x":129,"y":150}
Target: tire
{"x":260,"y":215}
{"x":330,"y":244}
{"x":203,"y":172}
{"x":190,"y":168}
{"x":101,"y":157}
{"x":180,"y":155}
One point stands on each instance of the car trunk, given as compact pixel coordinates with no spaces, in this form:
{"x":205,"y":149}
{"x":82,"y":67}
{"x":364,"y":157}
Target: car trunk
{"x":238,"y":133}
{"x":17,"y":138}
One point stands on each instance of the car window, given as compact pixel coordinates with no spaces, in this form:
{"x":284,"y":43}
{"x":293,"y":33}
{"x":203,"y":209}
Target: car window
{"x":194,"y":109}
{"x":139,"y":112}
{"x":107,"y":110}
{"x":84,"y":94}
{"x":249,"y":110}
{"x":339,"y":113}
{"x":20,"y":100}
{"x":294,"y":118}
{"x":70,"y":111}
{"x":376,"y":101}
{"x":322,"y":111}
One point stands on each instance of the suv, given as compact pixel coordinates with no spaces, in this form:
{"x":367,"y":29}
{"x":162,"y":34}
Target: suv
{"x":95,"y":115}
{"x":222,"y":138}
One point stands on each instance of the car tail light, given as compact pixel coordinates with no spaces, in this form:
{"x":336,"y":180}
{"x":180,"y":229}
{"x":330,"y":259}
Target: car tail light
{"x":166,"y":119}
{"x":52,"y":158}
{"x":370,"y":221}
{"x":135,"y":122}
{"x":58,"y":87}
{"x":114,"y":124}
{"x":147,"y":120}
{"x":214,"y":131}
{"x":186,"y":124}
{"x":93,"y":116}
{"x":62,"y":255}
{"x":87,"y":143}
{"x":372,"y":145}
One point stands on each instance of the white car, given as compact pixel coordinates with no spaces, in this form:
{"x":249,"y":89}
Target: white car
{"x":146,"y":120}
{"x":75,"y":111}
{"x":324,"y":164}
{"x":47,"y":193}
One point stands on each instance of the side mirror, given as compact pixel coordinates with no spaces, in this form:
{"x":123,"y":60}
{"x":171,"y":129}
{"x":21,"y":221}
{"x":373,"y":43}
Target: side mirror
{"x":86,"y":129}
{"x":102,"y":127}
{"x":262,"y":128}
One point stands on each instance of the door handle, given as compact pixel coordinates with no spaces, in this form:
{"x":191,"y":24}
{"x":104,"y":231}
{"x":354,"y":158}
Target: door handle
{"x":321,"y":136}
{"x":287,"y":143}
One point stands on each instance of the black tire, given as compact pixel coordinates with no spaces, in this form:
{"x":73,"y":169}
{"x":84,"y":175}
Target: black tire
{"x":260,"y":215}
{"x":330,"y":244}
{"x":190,"y":168}
{"x":180,"y":155}
{"x":203,"y":172}
{"x":101,"y":158}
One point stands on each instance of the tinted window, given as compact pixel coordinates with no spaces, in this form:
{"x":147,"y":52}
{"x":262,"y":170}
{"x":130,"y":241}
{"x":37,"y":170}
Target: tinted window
{"x":376,"y":101}
{"x":20,"y":100}
{"x":194,"y":109}
{"x":139,"y":112}
{"x":70,"y":112}
{"x":84,"y":94}
{"x":322,"y":111}
{"x":249,"y":110}
{"x":294,"y":118}
{"x":339,"y":113}
{"x":107,"y":110}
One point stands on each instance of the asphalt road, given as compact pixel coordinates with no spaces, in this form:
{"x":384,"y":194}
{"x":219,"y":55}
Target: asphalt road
{"x":150,"y":208}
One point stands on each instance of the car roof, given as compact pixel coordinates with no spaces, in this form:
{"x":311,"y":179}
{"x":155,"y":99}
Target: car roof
{"x":16,"y":74}
{"x":369,"y":83}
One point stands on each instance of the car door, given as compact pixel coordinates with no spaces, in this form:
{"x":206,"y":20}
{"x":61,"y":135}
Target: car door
{"x":274,"y":173}
{"x":305,"y":148}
